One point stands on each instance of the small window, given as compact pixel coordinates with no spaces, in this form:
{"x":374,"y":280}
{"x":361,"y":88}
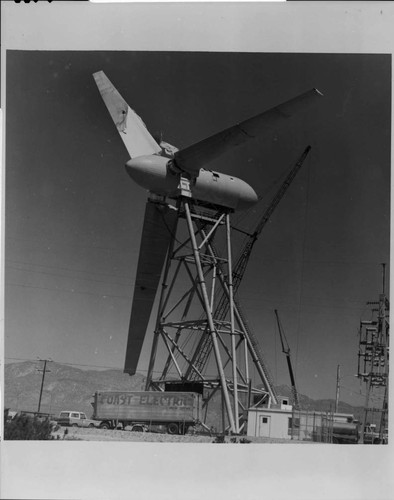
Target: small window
{"x":83,"y":415}
{"x":75,"y":415}
{"x":64,"y":414}
{"x":265,"y":420}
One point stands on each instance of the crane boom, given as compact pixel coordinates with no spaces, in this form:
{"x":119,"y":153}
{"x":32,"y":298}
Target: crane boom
{"x":286,"y":350}
{"x":240,"y":267}
{"x":205,"y":345}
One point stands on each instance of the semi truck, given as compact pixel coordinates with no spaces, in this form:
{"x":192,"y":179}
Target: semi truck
{"x":173,"y":412}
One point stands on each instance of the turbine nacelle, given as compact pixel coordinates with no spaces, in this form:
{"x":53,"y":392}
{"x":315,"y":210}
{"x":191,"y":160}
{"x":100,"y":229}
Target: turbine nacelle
{"x":156,"y":174}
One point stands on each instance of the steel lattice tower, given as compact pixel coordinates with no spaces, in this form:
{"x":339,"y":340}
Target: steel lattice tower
{"x":194,"y":276}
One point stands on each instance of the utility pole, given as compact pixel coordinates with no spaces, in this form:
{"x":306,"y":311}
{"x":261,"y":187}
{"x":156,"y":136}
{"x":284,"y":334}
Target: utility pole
{"x":44,"y":370}
{"x":337,"y":391}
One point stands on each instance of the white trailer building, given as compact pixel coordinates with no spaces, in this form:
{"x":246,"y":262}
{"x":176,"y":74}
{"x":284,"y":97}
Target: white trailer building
{"x":283,"y":422}
{"x":274,"y":422}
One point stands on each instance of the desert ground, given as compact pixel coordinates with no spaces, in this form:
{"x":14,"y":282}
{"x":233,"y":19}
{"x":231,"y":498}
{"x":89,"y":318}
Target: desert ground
{"x":82,"y":434}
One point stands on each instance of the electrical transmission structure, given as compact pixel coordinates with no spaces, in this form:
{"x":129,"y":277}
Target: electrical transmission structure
{"x":373,"y":363}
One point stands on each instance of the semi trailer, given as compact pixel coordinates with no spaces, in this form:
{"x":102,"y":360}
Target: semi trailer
{"x":173,"y":412}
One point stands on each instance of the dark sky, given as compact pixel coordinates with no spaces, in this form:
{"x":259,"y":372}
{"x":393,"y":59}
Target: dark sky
{"x":73,"y":216}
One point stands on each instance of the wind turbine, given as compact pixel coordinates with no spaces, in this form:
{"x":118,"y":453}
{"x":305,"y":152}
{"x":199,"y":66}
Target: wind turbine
{"x":204,"y":200}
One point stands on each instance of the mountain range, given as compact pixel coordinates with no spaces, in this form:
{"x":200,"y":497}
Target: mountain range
{"x":69,"y":388}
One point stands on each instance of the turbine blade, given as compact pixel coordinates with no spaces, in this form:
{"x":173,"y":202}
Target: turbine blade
{"x":156,"y":237}
{"x":131,"y":128}
{"x":192,"y":158}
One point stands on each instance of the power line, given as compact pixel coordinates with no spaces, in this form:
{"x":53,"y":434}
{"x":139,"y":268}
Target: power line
{"x":105,"y":295}
{"x":266,"y":260}
{"x":292,"y":305}
{"x":61,"y":268}
{"x":301,"y":289}
{"x":76,"y":364}
{"x":68,"y":291}
{"x":66,"y":276}
{"x":66,"y":363}
{"x":89,"y":247}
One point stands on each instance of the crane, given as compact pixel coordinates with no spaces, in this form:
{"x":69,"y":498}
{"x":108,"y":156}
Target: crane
{"x":286,"y":350}
{"x":204,"y":348}
{"x":240,"y":267}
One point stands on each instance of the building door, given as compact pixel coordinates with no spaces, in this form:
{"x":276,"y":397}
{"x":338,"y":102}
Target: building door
{"x":264,"y":426}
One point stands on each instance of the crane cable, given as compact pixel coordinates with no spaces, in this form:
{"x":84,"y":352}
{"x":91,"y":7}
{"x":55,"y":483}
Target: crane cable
{"x":300,"y":295}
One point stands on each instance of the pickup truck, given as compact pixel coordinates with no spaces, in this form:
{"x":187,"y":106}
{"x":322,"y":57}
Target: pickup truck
{"x":76,"y":419}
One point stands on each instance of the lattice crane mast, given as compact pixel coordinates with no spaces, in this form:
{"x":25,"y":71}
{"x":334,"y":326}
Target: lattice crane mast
{"x":204,"y":348}
{"x":286,"y":350}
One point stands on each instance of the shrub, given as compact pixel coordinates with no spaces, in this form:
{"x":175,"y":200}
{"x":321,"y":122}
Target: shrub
{"x":24,"y":427}
{"x":219,"y":439}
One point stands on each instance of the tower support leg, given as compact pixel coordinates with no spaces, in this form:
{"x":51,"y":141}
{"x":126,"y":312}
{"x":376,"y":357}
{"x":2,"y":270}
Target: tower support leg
{"x":208,"y":312}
